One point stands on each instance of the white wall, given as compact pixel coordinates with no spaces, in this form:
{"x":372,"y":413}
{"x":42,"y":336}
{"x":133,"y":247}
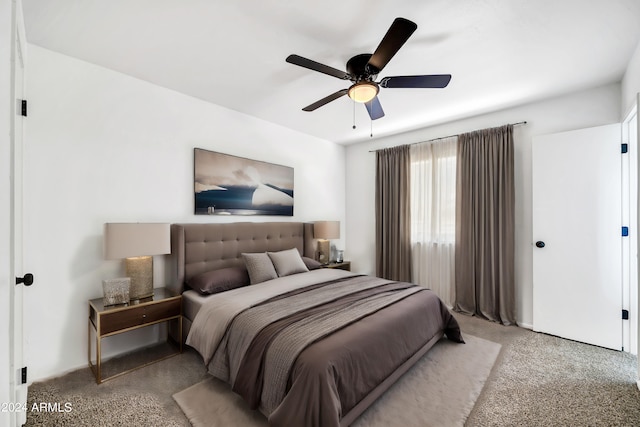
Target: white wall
{"x":631,"y":83}
{"x":105,"y":147}
{"x":588,"y":108}
{"x":5,"y":210}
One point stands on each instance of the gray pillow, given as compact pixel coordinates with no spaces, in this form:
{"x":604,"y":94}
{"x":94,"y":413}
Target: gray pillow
{"x":311,"y":263}
{"x":260,"y":267}
{"x":224,"y":279}
{"x":287,"y":262}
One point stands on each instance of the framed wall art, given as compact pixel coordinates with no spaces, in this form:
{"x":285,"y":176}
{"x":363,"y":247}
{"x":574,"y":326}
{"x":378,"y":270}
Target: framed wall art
{"x":231,"y":185}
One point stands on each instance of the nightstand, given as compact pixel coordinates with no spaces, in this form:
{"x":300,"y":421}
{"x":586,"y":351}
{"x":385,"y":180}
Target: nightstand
{"x":344,"y":265}
{"x":163,"y":306}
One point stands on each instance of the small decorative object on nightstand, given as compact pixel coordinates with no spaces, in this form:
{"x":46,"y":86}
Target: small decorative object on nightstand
{"x":345,"y":265}
{"x":116,"y":291}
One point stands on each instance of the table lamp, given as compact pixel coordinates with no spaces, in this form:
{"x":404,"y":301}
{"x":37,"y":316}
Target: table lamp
{"x":323,"y":231}
{"x":137,"y":243}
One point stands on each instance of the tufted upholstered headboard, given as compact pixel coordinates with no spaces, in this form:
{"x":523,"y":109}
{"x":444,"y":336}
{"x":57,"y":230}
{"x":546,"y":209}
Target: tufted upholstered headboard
{"x":197,"y":248}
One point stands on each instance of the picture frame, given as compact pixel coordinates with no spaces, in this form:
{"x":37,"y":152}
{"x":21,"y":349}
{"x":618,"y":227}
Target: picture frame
{"x":230,"y":185}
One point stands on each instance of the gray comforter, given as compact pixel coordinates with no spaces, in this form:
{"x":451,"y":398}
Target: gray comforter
{"x":305,"y":349}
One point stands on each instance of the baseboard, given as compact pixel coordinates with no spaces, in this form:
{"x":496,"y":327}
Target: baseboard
{"x":525,"y":325}
{"x":638,"y":384}
{"x":61,"y":373}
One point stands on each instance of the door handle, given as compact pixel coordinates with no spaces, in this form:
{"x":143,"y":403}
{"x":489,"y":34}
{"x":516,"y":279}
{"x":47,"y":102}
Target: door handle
{"x":540,"y":244}
{"x":27,"y":279}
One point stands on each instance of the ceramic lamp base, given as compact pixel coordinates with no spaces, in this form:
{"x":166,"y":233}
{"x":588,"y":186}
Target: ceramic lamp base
{"x":140,"y":270}
{"x":323,"y":252}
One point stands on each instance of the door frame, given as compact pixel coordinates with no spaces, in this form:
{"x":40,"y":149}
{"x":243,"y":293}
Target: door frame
{"x":630,"y":300}
{"x":634,"y":318}
{"x":6,"y":17}
{"x":17,"y":390}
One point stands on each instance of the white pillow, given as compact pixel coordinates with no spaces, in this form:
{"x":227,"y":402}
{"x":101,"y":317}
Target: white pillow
{"x":259,"y":267}
{"x":287,"y":262}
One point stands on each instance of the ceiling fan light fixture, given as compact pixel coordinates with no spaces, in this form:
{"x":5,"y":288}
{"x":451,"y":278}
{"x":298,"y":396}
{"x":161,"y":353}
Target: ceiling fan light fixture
{"x":363,"y":91}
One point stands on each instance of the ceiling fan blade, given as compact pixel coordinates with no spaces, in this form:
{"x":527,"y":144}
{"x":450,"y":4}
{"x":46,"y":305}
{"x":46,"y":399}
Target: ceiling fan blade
{"x":326,"y":100}
{"x":399,"y":32}
{"x":428,"y":81}
{"x":316,"y":66}
{"x":374,"y":108}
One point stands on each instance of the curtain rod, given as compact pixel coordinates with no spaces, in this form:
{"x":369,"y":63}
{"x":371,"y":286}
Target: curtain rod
{"x":449,"y":136}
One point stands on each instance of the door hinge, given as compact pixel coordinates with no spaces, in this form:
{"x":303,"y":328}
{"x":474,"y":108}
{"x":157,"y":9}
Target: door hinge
{"x":625,"y":314}
{"x":625,"y":231}
{"x":23,"y":375}
{"x":23,"y":109}
{"x":625,"y":148}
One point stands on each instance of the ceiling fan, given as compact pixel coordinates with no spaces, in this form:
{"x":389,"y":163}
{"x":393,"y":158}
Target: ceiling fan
{"x":363,"y":69}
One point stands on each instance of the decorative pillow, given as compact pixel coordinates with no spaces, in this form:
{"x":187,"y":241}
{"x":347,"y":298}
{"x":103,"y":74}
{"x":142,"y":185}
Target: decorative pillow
{"x":260,"y":267}
{"x":287,"y":262}
{"x":311,"y":263}
{"x":224,"y":279}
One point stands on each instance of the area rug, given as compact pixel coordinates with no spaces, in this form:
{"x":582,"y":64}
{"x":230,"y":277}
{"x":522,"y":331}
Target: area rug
{"x":440,"y":390}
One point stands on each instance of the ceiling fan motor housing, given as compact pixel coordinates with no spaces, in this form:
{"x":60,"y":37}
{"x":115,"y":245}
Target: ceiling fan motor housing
{"x":360,"y":69}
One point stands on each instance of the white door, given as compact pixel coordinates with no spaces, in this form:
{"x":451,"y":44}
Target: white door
{"x":17,"y":387}
{"x":577,"y":235}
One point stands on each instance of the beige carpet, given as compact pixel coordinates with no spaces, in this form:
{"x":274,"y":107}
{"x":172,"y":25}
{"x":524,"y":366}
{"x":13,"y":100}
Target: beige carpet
{"x":440,"y":390}
{"x":104,"y":410}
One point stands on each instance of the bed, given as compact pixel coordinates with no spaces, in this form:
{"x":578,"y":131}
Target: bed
{"x":309,"y":346}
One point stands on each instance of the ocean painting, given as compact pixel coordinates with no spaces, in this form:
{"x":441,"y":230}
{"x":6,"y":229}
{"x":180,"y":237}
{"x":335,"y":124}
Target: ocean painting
{"x":230,"y":185}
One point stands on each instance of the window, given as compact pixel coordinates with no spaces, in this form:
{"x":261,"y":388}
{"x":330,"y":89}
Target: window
{"x":433,"y":192}
{"x":433,"y":216}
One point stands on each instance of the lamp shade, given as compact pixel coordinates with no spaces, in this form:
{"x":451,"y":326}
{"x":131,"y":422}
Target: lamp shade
{"x":326,"y":230}
{"x":124,"y":240}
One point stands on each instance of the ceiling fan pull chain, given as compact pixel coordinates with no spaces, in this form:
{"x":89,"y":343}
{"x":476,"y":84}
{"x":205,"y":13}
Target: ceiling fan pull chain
{"x":371,"y":129}
{"x":354,"y":114}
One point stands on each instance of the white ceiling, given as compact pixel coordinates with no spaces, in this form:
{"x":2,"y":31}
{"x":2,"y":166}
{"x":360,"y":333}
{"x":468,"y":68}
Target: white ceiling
{"x":232,"y":53}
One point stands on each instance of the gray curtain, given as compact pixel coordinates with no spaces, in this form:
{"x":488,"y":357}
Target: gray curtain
{"x":393,"y":213}
{"x":485,"y":225}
